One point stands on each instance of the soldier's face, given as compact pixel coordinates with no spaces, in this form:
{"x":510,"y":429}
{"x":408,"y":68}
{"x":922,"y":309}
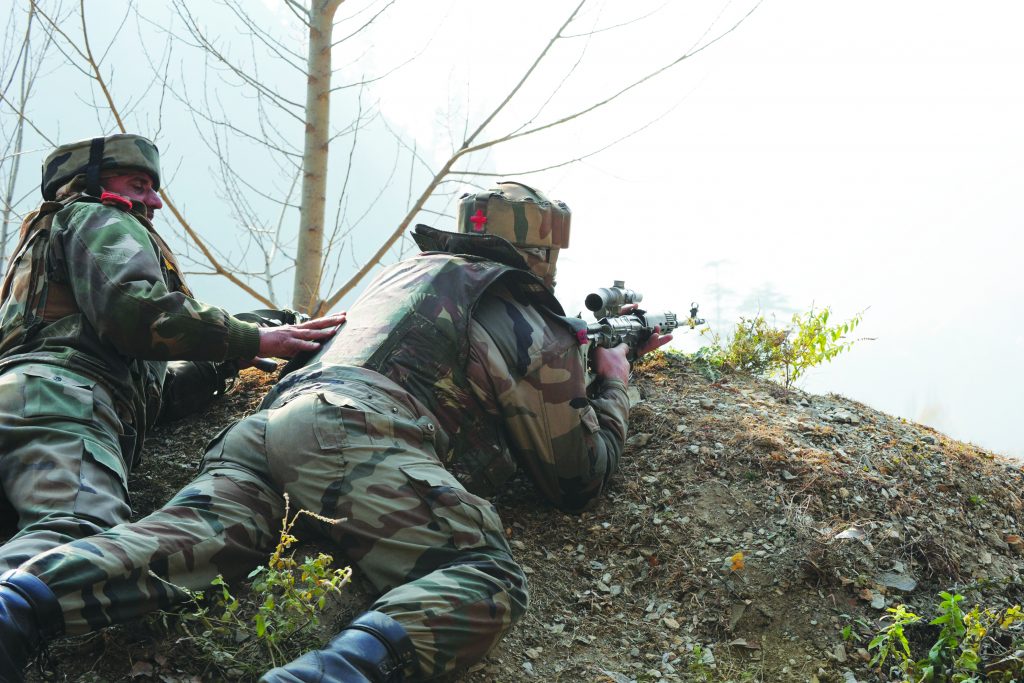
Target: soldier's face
{"x":136,"y":186}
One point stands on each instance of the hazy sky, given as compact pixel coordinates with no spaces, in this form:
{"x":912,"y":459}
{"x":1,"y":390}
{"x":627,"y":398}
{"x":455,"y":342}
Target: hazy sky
{"x":868,"y":156}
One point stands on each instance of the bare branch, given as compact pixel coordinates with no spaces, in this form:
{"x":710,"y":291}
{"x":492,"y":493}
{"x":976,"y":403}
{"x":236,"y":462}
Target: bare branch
{"x":300,"y":11}
{"x":276,"y":47}
{"x":525,"y":77}
{"x":288,"y":106}
{"x":635,"y":20}
{"x":365,"y":25}
{"x":575,"y":159}
{"x":96,"y":71}
{"x":217,"y":268}
{"x":618,"y":94}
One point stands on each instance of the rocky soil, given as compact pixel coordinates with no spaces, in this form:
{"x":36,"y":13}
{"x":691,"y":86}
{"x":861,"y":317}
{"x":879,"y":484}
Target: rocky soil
{"x":746,"y":532}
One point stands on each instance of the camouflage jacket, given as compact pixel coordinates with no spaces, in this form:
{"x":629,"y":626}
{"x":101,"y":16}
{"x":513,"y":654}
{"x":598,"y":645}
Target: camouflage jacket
{"x":484,"y":346}
{"x":93,"y":288}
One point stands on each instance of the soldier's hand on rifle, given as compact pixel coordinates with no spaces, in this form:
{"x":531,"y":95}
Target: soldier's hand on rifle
{"x":612,"y":363}
{"x":287,"y":340}
{"x":656,"y":340}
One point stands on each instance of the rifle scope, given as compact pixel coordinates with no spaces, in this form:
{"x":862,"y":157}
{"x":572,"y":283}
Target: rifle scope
{"x":608,"y":300}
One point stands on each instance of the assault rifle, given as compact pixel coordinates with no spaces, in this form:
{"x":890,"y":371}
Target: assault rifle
{"x":633,"y":329}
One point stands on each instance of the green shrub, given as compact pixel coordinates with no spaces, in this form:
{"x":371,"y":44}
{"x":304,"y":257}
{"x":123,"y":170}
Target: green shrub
{"x":760,"y":348}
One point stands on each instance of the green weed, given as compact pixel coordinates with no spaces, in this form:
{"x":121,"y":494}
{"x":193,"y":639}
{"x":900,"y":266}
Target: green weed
{"x":278,"y":617}
{"x":974,"y":646}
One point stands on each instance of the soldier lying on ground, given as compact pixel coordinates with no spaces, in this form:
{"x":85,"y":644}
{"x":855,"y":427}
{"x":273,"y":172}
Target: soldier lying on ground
{"x":460,"y":357}
{"x":92,"y":307}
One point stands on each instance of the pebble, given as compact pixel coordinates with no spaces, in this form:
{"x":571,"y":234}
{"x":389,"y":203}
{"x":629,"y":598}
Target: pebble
{"x":707,"y":403}
{"x":845,"y":417}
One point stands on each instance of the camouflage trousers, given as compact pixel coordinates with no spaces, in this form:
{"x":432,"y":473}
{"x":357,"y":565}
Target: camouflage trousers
{"x":63,"y":453}
{"x":436,"y":553}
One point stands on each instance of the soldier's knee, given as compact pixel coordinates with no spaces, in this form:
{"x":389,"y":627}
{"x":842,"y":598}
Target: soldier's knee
{"x":505,"y":572}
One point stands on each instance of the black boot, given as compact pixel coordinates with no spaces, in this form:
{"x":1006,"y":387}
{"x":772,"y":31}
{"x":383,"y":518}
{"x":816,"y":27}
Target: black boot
{"x":29,"y":616}
{"x":374,"y":648}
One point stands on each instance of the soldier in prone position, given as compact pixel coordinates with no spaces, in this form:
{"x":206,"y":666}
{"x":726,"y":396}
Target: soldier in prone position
{"x":458,"y":358}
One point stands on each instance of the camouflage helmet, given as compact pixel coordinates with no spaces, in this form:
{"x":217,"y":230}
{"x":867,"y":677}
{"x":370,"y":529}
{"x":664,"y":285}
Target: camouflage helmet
{"x":89,"y":157}
{"x":537,"y":226}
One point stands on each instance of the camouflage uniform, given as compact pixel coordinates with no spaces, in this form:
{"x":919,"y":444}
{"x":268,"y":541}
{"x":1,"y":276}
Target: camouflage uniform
{"x":92,"y":307}
{"x":344,"y":440}
{"x":454,"y":359}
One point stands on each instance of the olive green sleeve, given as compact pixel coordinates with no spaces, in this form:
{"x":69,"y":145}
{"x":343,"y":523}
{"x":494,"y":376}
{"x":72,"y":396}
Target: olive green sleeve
{"x":116,"y":275}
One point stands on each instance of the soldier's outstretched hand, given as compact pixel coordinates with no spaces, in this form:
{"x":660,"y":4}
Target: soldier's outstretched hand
{"x":287,"y":340}
{"x":655,"y":341}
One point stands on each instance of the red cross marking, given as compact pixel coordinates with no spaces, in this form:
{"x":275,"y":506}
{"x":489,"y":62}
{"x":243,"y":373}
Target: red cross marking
{"x":478,"y":220}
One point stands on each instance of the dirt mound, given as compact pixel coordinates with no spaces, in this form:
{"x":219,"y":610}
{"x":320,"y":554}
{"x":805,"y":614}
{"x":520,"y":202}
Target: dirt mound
{"x":750,"y":535}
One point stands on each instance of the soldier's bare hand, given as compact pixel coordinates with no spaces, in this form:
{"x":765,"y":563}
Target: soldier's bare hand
{"x":287,"y":340}
{"x":656,"y":340}
{"x":612,"y":363}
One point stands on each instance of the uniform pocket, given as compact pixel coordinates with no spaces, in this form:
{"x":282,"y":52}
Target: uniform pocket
{"x":58,"y":395}
{"x":471,"y":520}
{"x":102,"y":487}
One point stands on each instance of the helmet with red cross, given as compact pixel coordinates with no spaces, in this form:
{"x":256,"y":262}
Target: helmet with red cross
{"x":538,"y":227}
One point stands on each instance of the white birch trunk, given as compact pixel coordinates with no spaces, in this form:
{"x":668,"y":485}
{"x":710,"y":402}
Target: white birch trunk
{"x":309,"y":256}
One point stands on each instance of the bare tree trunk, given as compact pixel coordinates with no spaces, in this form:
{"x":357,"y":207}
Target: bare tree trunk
{"x":309,"y":257}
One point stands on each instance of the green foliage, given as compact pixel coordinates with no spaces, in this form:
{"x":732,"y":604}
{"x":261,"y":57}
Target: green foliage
{"x":277,"y":619}
{"x":700,"y":664}
{"x":979,"y":645}
{"x":892,"y":640}
{"x":760,"y":348}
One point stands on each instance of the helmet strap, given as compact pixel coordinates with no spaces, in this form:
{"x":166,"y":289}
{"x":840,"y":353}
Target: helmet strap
{"x":92,"y":171}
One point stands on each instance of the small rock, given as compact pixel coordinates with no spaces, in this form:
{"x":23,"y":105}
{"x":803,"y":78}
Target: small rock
{"x":878,"y":601}
{"x":845,"y":417}
{"x":694,"y":448}
{"x":707,"y":403}
{"x":787,"y":475}
{"x":900,"y":582}
{"x":670,"y":623}
{"x":638,"y":440}
{"x":844,"y":493}
{"x":929,"y":439}
{"x":840,"y":653}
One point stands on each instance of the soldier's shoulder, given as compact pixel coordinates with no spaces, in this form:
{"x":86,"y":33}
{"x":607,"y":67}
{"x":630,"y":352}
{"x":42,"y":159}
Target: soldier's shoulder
{"x":527,"y":336}
{"x":91,"y":215}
